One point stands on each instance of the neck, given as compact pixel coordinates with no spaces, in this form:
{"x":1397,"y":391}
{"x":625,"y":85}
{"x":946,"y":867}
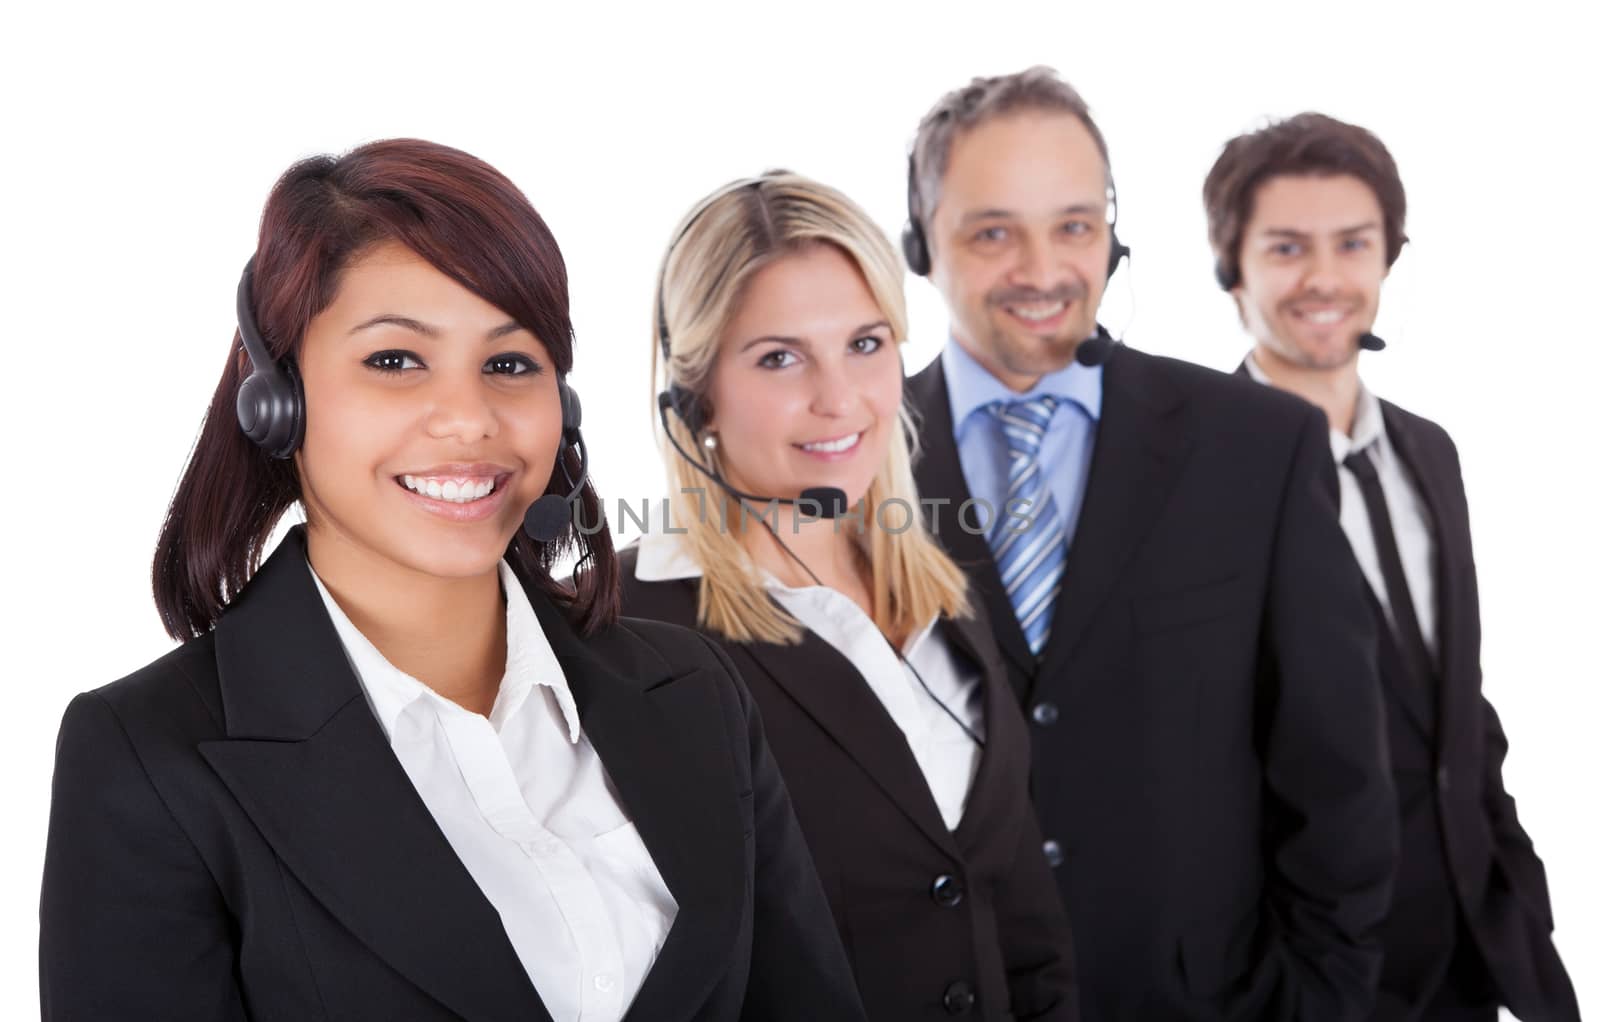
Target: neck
{"x":448,"y":633}
{"x":829,"y":552}
{"x":1335,"y":391}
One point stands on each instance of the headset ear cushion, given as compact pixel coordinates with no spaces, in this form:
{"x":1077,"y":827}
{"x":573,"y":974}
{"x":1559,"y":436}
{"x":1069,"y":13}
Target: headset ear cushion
{"x":690,"y":408}
{"x":571,"y":407}
{"x":1226,"y":279}
{"x":914,"y":246}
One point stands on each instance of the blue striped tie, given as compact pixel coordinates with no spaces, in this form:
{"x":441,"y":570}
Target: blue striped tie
{"x":1031,"y":555}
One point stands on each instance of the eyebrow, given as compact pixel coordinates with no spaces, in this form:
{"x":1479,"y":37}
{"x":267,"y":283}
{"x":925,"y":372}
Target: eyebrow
{"x":800,"y":342}
{"x":1289,"y":232}
{"x":1076,"y":209}
{"x":417,"y":326}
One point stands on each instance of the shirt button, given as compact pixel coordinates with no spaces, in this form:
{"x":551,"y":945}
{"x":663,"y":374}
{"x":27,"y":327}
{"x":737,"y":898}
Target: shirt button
{"x":959,"y":997}
{"x":1045,"y":714}
{"x":1053,"y":853}
{"x":1443,"y":778}
{"x":946,"y":891}
{"x":604,"y":983}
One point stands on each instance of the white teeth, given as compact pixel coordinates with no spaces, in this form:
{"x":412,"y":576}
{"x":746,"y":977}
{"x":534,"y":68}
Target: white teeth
{"x":1037,"y":312}
{"x":1324,"y":317}
{"x":834,"y":446}
{"x":453,"y":490}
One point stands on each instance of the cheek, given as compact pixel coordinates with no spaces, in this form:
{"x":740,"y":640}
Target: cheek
{"x":533,"y":428}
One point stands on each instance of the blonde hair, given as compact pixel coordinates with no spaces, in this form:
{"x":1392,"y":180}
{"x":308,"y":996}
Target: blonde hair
{"x":724,"y":241}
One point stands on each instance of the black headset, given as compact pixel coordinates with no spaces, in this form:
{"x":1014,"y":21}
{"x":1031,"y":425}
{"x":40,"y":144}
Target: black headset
{"x":271,"y":407}
{"x":686,"y":404}
{"x":914,"y":239}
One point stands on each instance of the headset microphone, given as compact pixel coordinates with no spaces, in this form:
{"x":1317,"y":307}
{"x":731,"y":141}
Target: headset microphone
{"x":1371,"y":342}
{"x":1096,"y":349}
{"x":829,"y":501}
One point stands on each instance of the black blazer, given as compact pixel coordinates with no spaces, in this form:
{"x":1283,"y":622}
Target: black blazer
{"x":232,"y":838}
{"x":1208,"y":756}
{"x":1463,"y":853}
{"x":936,"y":924}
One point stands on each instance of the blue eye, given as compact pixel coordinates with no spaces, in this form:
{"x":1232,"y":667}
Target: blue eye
{"x":990,"y":234}
{"x":1356,"y":244}
{"x":1076,"y":228}
{"x":392,"y":362}
{"x":509,"y":364}
{"x":1286,"y":248}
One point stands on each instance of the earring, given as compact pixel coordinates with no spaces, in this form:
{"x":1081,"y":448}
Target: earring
{"x":710,"y":442}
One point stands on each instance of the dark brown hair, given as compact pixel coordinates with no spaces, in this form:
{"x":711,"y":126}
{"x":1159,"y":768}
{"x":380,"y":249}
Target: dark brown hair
{"x":473,"y":225}
{"x":1305,"y":144}
{"x":1038,"y":88}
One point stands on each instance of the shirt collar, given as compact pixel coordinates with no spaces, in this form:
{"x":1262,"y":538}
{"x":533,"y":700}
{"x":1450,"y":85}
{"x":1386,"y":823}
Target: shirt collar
{"x":529,"y":661}
{"x":664,"y":557}
{"x":973,"y":388}
{"x":1366,"y":427}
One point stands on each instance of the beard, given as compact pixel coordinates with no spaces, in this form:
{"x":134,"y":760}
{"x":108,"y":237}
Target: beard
{"x":1024,"y":353}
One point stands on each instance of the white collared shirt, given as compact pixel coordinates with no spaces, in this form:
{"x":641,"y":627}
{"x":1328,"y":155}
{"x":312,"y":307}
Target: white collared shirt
{"x":1413,"y":529}
{"x":947,"y":756}
{"x":525,"y":802}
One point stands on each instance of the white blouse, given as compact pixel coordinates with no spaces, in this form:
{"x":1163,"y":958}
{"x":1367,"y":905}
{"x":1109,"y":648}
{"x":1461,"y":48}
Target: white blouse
{"x":947,"y":755}
{"x":525,"y":802}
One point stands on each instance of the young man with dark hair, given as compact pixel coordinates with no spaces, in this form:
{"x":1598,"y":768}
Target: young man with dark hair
{"x":1207,"y":748}
{"x":1306,"y":218}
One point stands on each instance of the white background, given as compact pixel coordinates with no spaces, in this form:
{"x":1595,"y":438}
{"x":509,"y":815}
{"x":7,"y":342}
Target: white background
{"x":140,"y":142}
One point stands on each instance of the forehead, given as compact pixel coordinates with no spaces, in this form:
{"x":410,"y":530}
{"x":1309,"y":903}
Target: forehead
{"x":1024,"y":162}
{"x":1314,"y":204}
{"x":817,"y":289}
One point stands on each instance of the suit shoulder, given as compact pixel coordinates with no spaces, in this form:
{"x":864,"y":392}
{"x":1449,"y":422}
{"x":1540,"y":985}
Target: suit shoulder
{"x":180,"y":685}
{"x":1230,"y":394}
{"x":1424,"y":429}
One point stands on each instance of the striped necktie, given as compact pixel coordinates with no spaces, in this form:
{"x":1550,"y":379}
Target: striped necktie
{"x":1032,"y":558}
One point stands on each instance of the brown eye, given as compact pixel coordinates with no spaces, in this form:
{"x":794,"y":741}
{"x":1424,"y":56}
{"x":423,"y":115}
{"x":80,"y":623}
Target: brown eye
{"x":510,"y":365}
{"x":392,"y":361}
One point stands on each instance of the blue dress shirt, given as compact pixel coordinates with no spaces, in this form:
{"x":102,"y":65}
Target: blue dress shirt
{"x":981,"y":444}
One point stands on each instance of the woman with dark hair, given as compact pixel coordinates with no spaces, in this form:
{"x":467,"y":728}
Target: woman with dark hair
{"x":398,"y":771}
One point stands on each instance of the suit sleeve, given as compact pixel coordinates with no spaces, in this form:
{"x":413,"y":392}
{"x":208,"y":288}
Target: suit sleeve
{"x":131,"y":924}
{"x":1513,"y":848}
{"x":1035,"y":939}
{"x":1331,"y":824}
{"x":798,"y":968}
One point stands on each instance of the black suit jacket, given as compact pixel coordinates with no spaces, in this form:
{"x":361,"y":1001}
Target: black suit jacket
{"x":924,"y":913}
{"x":1208,"y":757}
{"x":1462,"y":849}
{"x":231,"y":837}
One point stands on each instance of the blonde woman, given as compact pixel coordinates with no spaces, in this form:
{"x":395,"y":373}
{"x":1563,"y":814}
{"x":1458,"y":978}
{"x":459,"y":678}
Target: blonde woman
{"x":779,"y":318}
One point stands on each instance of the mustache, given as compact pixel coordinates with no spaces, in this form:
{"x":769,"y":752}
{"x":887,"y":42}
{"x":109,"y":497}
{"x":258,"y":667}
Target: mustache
{"x":1069,"y":292}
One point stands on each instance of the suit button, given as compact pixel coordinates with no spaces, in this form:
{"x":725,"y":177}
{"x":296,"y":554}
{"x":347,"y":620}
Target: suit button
{"x":1045,"y":714}
{"x":1443,"y":778}
{"x":946,"y":891}
{"x":1053,"y":853}
{"x":959,"y":997}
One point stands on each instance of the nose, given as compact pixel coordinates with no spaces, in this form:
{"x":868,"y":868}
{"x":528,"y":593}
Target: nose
{"x":1036,"y":262}
{"x":1322,"y":274}
{"x":460,"y":409}
{"x":834,"y":391}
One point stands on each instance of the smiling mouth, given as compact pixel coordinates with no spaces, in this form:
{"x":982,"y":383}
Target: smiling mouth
{"x":1321,"y":316}
{"x":835,"y":446}
{"x":452,"y":489}
{"x":1036,"y":312}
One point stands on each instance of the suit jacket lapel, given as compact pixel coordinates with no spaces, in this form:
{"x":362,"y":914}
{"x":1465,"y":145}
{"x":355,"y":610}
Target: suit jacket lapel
{"x":994,"y":792}
{"x":1138,"y":450}
{"x":939,"y":474}
{"x":310,"y":765}
{"x":1451,"y":545}
{"x":835,"y":695}
{"x":662,"y":743}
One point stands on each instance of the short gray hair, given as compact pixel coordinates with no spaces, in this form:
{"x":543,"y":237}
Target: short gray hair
{"x":983,"y":99}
